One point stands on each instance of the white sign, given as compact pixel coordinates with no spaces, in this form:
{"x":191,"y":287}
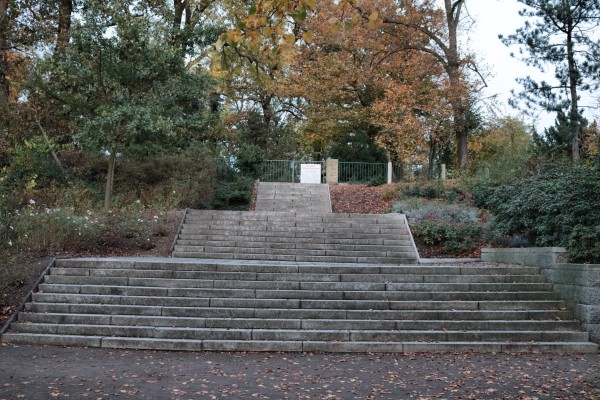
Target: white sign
{"x":310,"y":173}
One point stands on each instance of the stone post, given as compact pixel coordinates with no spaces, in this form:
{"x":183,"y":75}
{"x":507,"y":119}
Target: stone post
{"x":331,"y":170}
{"x":389,"y":174}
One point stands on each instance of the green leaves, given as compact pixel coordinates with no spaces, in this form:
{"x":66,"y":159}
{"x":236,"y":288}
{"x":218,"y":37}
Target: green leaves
{"x":557,"y":208}
{"x":125,"y":89}
{"x":300,"y":16}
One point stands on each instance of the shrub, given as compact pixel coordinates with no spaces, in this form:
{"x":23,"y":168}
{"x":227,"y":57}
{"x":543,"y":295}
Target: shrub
{"x":249,"y":159}
{"x":556,"y":208}
{"x":234,"y":194}
{"x":457,"y":238}
{"x":35,"y":231}
{"x":427,"y":190}
{"x":49,"y":231}
{"x":376,"y":181}
{"x":391,"y":192}
{"x":460,"y":228}
{"x":584,"y":244}
{"x":447,"y":212}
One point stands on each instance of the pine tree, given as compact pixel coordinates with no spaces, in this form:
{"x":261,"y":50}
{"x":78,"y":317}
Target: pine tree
{"x":559,"y":33}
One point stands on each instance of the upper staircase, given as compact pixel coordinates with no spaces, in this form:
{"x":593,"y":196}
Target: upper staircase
{"x":291,"y":197}
{"x":294,"y":222}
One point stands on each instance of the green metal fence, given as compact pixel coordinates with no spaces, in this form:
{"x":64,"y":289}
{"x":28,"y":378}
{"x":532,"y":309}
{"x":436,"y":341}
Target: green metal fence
{"x":286,"y":170}
{"x":361,"y":172}
{"x":408,"y":172}
{"x":348,"y":172}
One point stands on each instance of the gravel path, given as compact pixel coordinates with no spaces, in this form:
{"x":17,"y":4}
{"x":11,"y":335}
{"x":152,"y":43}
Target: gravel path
{"x":53,"y":372}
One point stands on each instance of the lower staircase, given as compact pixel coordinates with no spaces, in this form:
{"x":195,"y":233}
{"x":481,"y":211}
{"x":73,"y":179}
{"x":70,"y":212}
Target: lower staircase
{"x":222,"y":305}
{"x":298,"y":281}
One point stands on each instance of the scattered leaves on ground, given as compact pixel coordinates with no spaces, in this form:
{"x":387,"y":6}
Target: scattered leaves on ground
{"x":359,"y":199}
{"x":52,"y":372}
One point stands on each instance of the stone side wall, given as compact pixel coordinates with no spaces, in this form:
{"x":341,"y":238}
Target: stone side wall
{"x":531,"y":256}
{"x":578,"y":284}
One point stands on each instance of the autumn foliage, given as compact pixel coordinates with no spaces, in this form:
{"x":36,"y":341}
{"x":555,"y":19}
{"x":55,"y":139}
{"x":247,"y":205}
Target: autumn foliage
{"x":355,"y":76}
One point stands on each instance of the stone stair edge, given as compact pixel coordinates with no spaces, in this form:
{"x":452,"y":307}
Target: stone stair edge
{"x":298,"y":346}
{"x":359,"y":335}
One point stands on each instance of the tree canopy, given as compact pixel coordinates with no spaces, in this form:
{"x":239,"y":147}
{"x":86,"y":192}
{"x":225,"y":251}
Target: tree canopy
{"x":127,"y":79}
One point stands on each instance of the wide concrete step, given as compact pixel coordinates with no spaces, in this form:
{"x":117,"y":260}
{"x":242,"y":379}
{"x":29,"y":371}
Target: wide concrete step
{"x":318,"y":282}
{"x":215,"y":240}
{"x":295,"y":248}
{"x":296,"y":226}
{"x":299,"y":323}
{"x":171,"y":264}
{"x":301,"y":216}
{"x":332,"y":251}
{"x":58,"y":281}
{"x":354,"y":335}
{"x":205,"y":302}
{"x":77,"y":275}
{"x":294,"y":346}
{"x":417,"y":292}
{"x":311,"y":220}
{"x":223,"y":308}
{"x":295,"y":231}
{"x":295,"y":258}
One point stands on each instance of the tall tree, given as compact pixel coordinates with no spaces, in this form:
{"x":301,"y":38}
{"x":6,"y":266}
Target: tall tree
{"x":128,"y":92}
{"x":560,"y":33}
{"x":358,"y":79}
{"x":251,"y":66}
{"x":441,"y":27}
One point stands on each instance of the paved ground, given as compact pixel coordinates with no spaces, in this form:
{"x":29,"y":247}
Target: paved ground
{"x":53,"y":372}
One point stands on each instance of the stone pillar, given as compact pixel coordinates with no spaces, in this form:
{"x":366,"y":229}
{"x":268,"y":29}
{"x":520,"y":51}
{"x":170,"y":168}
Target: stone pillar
{"x":443,"y":172}
{"x":331,"y":170}
{"x":389,"y":174}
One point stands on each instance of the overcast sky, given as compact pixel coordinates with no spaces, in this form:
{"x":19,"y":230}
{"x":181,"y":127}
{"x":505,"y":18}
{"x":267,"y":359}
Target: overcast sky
{"x":493,"y":17}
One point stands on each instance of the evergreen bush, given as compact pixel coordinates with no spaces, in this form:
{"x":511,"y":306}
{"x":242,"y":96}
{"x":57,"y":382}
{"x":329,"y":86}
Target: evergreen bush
{"x":555,"y":208}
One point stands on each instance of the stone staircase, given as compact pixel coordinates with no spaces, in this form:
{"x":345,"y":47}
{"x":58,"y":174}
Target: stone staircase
{"x":295,"y":280}
{"x":293,"y":197}
{"x":296,"y":236}
{"x":224,"y":305}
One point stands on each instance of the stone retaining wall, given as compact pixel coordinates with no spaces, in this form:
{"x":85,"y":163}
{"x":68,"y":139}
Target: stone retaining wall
{"x":578,"y":284}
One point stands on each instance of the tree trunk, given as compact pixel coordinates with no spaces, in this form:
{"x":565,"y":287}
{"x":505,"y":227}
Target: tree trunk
{"x":573,"y":77}
{"x":179,"y":8}
{"x":4,"y":83}
{"x":457,"y":87}
{"x":461,"y":134}
{"x":433,"y":150}
{"x":110,"y":178}
{"x":64,"y":25}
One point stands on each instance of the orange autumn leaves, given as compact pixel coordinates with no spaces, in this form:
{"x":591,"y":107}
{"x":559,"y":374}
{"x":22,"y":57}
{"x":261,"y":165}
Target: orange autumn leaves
{"x":346,"y":69}
{"x":353,"y":75}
